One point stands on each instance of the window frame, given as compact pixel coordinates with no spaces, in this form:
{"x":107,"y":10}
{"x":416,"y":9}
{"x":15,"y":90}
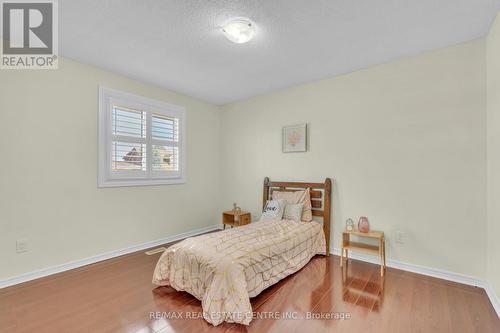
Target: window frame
{"x":109,"y":178}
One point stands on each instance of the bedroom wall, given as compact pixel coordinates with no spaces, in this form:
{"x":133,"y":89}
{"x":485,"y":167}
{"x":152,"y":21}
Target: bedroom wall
{"x":48,"y":192}
{"x":493,"y":120}
{"x":404,"y":142}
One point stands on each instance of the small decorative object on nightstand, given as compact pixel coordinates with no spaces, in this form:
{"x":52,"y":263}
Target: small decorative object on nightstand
{"x":236,"y":217}
{"x":363,"y":224}
{"x":378,"y":249}
{"x":349,"y":225}
{"x":236,"y":209}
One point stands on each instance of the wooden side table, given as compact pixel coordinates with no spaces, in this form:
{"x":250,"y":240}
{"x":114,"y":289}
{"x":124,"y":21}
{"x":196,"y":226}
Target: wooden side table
{"x":236,"y":219}
{"x":379,"y":249}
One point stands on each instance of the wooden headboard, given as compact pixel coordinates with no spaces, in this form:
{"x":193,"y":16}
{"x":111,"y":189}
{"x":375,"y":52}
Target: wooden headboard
{"x":321,"y":194}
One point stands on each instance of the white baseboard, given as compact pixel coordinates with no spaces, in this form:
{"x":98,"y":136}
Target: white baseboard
{"x":434,"y":272}
{"x":437,"y":273}
{"x":495,"y":301}
{"x":105,"y":256}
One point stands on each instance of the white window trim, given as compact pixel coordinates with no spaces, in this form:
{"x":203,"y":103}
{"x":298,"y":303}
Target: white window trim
{"x":104,"y":178}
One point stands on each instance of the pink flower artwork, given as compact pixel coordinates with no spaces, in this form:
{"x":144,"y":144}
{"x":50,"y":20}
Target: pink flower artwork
{"x":294,"y":138}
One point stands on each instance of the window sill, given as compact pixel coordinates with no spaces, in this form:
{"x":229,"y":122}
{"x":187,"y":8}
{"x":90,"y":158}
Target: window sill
{"x":139,"y":182}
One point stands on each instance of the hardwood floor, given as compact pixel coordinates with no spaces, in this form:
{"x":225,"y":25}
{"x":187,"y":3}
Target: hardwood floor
{"x":117,"y":296}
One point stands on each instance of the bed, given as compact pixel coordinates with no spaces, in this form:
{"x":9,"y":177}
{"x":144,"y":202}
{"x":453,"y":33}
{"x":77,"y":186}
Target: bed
{"x":225,"y":269}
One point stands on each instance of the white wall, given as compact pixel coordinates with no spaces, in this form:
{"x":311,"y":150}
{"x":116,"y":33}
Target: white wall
{"x":48,"y":192}
{"x":404,"y":142}
{"x":493,"y":117}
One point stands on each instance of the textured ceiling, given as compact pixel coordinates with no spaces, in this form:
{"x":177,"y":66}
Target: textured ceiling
{"x":178,"y":44}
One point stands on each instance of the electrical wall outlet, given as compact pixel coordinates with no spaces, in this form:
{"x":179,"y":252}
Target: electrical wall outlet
{"x":400,"y":237}
{"x":21,"y":245}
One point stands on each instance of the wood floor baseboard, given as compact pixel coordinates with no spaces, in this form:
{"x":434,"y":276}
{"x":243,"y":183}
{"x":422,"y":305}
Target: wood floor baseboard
{"x":437,"y":273}
{"x":101,"y":257}
{"x":117,"y":296}
{"x":433,"y":272}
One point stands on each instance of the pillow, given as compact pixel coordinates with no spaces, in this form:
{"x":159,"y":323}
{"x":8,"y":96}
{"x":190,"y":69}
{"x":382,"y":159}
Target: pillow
{"x":293,"y":212}
{"x":295,"y":198}
{"x":273,"y":210}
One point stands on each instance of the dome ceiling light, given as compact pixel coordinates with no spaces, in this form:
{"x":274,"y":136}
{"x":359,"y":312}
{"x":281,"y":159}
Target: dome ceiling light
{"x":239,"y":30}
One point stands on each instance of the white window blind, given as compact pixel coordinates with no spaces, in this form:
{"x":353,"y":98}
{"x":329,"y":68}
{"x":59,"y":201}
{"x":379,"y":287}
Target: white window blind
{"x":128,"y":146}
{"x":141,"y":141}
{"x":165,"y":132}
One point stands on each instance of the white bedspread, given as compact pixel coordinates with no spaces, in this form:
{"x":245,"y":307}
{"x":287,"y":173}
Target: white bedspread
{"x":224,"y":269}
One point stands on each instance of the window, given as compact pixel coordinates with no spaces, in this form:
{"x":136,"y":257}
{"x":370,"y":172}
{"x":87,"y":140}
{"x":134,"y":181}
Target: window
{"x":141,"y":141}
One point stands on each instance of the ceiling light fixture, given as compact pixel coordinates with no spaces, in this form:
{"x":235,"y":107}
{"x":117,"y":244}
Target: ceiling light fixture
{"x":239,"y":30}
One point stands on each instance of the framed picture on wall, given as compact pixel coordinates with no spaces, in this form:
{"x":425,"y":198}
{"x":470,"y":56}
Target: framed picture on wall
{"x":295,"y":138}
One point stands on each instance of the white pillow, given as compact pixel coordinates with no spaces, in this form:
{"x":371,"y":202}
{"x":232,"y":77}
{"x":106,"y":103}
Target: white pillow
{"x":293,"y":212}
{"x":295,"y":198}
{"x":273,"y":210}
